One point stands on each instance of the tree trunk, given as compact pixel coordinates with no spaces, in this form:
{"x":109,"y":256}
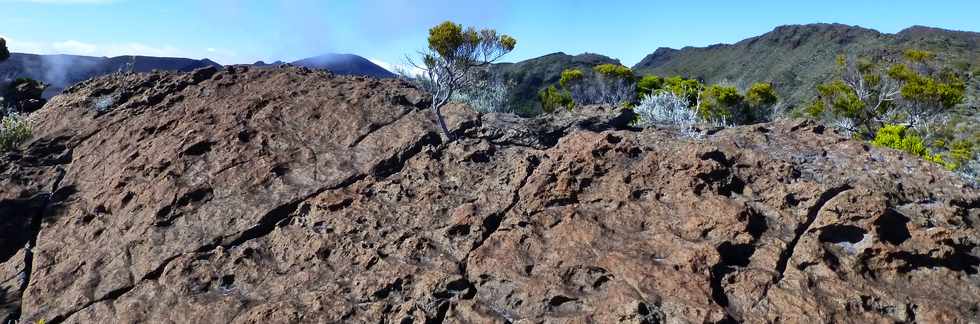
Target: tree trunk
{"x":442,"y":123}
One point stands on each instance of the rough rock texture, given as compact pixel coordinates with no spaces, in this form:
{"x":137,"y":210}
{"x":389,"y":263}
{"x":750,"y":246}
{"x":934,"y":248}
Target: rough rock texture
{"x":289,"y":195}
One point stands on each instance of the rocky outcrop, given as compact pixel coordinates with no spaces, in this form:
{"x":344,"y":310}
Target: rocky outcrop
{"x":289,"y":195}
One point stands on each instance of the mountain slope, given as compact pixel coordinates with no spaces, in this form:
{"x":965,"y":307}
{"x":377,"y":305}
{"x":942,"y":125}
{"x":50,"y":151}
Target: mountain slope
{"x":346,"y":64}
{"x":61,"y":71}
{"x":530,"y":76}
{"x":798,"y":57}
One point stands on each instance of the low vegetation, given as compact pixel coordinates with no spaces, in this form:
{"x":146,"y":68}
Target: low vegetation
{"x":14,"y":130}
{"x":909,"y":106}
{"x":553,"y":100}
{"x":487,"y":95}
{"x":667,"y":108}
{"x":901,"y":138}
{"x":657,"y":99}
{"x":609,"y":84}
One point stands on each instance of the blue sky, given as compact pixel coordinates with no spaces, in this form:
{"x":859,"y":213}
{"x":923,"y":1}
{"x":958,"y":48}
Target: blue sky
{"x":242,"y":31}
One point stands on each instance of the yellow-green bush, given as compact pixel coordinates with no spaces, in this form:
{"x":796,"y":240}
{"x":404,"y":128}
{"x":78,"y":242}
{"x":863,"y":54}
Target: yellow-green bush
{"x":899,"y":137}
{"x":569,"y":76}
{"x":614,"y":71}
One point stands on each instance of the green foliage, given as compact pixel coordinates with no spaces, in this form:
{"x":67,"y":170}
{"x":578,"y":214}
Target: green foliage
{"x":760,"y":102}
{"x":614,"y":71}
{"x":719,"y":103}
{"x":842,"y":99}
{"x":916,"y":55}
{"x":648,"y":84}
{"x":4,"y":53}
{"x":684,"y":88}
{"x":815,"y":109}
{"x":14,"y":130}
{"x":552,"y":99}
{"x":715,"y":103}
{"x":570,"y":76}
{"x":865,"y":96}
{"x":447,"y":37}
{"x":761,"y":94}
{"x":450,"y":41}
{"x":945,"y":89}
{"x":901,"y":138}
{"x":960,"y":153}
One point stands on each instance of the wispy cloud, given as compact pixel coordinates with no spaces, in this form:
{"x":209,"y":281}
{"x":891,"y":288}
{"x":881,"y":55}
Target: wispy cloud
{"x":76,"y":47}
{"x":397,"y":68}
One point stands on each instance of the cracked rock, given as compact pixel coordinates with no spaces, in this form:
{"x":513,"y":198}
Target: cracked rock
{"x":287,"y":195}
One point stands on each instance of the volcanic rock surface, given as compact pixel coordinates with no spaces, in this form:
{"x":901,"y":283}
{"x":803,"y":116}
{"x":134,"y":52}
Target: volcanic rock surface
{"x":289,"y":195}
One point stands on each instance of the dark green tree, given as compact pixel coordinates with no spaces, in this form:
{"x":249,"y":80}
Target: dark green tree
{"x":4,"y":53}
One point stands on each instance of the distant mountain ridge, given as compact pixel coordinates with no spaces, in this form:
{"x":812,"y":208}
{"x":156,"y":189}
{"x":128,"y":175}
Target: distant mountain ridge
{"x":796,"y":58}
{"x":349,"y":64}
{"x":527,"y":77}
{"x":61,"y":71}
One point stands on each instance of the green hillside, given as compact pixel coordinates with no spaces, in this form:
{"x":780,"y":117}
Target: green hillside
{"x":796,"y":58}
{"x":528,"y":77}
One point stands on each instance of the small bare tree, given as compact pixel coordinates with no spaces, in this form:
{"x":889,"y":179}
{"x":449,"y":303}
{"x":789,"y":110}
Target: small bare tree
{"x":454,"y":54}
{"x":863,"y":93}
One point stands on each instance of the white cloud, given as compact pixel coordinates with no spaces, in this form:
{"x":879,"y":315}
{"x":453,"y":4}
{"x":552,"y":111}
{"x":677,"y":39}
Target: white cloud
{"x":74,"y":47}
{"x":397,"y":68}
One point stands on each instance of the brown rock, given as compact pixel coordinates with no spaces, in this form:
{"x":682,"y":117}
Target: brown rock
{"x":287,"y":195}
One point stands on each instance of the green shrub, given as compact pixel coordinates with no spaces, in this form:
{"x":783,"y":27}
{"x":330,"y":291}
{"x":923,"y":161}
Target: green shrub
{"x":570,"y":76}
{"x":899,"y":137}
{"x":719,"y":103}
{"x":648,"y":84}
{"x":14,"y":130}
{"x":614,"y":71}
{"x":960,"y":153}
{"x":684,"y":88}
{"x":916,"y":55}
{"x":761,"y":94}
{"x":609,"y":84}
{"x":760,"y":102}
{"x":553,"y":99}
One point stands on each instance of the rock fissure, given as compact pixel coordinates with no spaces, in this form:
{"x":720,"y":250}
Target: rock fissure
{"x":35,"y":232}
{"x":803,"y":228}
{"x":373,"y":128}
